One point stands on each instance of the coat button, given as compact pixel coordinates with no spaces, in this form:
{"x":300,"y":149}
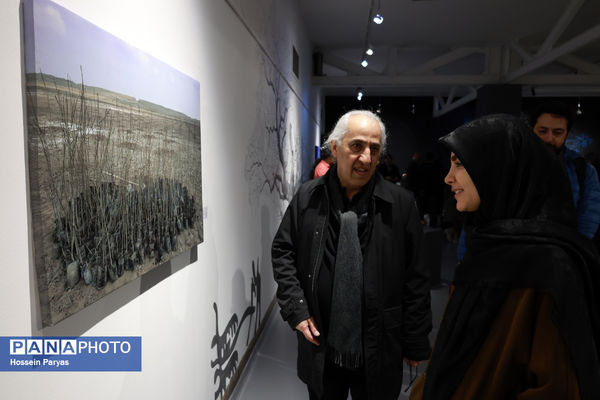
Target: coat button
{"x":301,"y":301}
{"x":309,"y":276}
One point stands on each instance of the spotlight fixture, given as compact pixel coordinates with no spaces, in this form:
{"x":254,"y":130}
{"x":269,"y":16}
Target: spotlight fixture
{"x":368,"y":48}
{"x":378,"y":18}
{"x":359,"y":94}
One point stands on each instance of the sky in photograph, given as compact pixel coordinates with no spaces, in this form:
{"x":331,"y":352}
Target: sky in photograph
{"x":65,"y":43}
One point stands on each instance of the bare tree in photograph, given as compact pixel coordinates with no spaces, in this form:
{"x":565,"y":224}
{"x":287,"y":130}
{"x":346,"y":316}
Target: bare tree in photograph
{"x":117,"y":182}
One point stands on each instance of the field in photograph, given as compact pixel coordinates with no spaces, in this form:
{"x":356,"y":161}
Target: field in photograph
{"x":115,"y":189}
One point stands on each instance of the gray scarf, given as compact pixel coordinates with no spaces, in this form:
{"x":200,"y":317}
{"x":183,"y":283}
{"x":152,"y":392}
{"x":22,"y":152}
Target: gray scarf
{"x":345,"y":325}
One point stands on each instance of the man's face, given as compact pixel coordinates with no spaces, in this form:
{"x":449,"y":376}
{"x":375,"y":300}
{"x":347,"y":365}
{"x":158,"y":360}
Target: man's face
{"x":552,"y":129}
{"x":358,"y":154}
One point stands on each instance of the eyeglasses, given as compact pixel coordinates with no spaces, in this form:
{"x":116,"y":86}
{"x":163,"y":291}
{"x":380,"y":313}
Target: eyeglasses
{"x":414,"y":372}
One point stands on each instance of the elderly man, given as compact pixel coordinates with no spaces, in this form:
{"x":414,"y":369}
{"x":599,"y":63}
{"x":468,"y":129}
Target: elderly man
{"x":347,"y":259}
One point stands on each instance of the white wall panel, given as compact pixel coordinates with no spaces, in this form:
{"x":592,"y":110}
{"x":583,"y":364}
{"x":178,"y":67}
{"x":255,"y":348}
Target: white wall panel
{"x":232,"y":54}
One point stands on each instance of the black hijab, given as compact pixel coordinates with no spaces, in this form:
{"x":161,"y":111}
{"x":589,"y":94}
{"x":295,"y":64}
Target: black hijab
{"x":522,"y":236}
{"x":516,"y":174}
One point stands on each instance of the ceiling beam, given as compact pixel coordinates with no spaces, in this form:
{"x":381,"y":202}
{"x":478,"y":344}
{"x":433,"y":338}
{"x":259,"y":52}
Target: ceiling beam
{"x":444,"y":59}
{"x":559,"y":91}
{"x":366,"y":81}
{"x":524,"y":54}
{"x":493,"y":60}
{"x":570,"y":46}
{"x":562,"y":23}
{"x":507,"y":59}
{"x":449,"y":107}
{"x":405,"y":80}
{"x":558,"y":80}
{"x":451,"y":95}
{"x":579,"y":64}
{"x":340,"y":63}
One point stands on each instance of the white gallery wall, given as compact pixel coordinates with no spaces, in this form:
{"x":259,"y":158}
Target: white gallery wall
{"x":259,"y":124}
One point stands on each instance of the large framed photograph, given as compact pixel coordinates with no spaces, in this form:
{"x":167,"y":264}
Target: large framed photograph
{"x":114,"y":159}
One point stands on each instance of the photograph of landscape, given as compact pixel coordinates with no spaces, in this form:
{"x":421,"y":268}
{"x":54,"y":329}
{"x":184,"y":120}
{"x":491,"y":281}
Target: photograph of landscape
{"x":114,"y":159}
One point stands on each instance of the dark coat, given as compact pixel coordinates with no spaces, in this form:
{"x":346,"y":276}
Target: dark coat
{"x":396,"y":313}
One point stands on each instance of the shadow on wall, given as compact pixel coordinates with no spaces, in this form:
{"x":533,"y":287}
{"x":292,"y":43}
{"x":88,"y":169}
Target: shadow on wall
{"x":267,"y":234}
{"x":226,"y":362}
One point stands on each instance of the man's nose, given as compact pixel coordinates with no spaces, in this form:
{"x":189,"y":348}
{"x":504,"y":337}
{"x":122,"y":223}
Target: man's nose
{"x":366,"y":155}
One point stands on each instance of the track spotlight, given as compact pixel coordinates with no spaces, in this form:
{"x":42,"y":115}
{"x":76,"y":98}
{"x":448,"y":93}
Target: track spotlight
{"x":359,"y":94}
{"x":369,"y":51}
{"x":364,"y":63}
{"x":378,"y":19}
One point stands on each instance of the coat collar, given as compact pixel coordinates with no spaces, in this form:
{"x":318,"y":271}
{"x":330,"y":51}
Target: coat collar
{"x":380,"y":191}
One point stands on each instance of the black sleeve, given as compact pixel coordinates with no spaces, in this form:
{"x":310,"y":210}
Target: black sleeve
{"x":290,"y":294}
{"x":416,"y":293}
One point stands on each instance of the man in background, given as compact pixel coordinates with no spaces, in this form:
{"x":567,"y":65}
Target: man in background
{"x":552,"y":122}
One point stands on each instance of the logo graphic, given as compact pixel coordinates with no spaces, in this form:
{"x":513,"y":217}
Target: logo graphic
{"x":91,"y":353}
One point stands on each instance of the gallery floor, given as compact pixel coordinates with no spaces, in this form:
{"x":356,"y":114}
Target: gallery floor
{"x":271,"y":371}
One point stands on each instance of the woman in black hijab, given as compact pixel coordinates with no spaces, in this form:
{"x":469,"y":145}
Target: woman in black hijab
{"x":522,"y":321}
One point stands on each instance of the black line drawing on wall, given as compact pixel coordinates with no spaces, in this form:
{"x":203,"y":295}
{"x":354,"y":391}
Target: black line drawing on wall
{"x":226,"y":362}
{"x":114,"y":167}
{"x":273,"y":158}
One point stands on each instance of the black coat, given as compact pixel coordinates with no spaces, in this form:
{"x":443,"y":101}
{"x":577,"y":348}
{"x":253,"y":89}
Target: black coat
{"x":396,"y":313}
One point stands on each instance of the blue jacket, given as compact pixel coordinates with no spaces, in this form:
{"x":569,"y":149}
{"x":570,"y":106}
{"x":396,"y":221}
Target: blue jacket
{"x":586,"y":202}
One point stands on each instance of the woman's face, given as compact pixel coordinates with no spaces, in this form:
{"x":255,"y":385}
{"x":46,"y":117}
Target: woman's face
{"x":465,"y":192}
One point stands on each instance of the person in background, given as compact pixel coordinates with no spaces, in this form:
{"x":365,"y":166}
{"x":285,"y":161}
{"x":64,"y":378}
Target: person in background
{"x":522,"y":321}
{"x":413,"y":174}
{"x":552,"y":122}
{"x":324,"y":162}
{"x":349,"y":266}
{"x":388,"y":169}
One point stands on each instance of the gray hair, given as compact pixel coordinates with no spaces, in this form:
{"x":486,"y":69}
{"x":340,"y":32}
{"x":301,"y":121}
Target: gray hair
{"x":341,"y":127}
